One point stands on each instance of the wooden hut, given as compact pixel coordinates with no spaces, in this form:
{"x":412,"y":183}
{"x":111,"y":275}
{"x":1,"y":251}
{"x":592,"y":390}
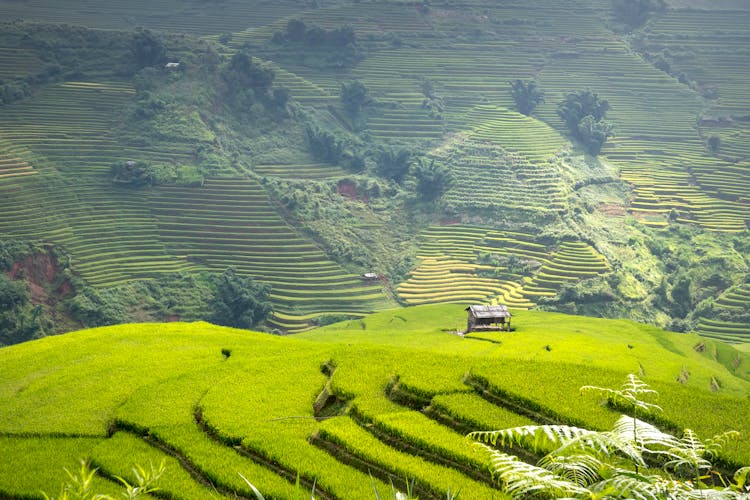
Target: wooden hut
{"x":493,"y":318}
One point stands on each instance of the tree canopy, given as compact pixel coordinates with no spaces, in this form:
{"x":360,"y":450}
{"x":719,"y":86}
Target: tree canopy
{"x":634,"y":13}
{"x":583,"y":112}
{"x":238,"y":301}
{"x":354,"y":96}
{"x":393,"y":163}
{"x":527,"y":95}
{"x":433,"y":180}
{"x":148,"y":49}
{"x":243,"y":72}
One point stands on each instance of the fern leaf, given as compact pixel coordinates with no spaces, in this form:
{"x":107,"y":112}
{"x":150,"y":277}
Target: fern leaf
{"x":631,"y":393}
{"x":582,"y":469}
{"x":629,"y":484}
{"x":649,"y":437}
{"x":533,"y":437}
{"x":714,"y":445}
{"x":524,"y":480}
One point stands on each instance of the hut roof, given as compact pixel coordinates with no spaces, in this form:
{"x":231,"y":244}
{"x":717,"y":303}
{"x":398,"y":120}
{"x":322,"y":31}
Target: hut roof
{"x":497,"y":311}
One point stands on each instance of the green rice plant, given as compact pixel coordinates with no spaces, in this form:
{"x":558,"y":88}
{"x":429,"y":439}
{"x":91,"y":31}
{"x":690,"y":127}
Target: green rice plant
{"x":471,"y":411}
{"x":276,"y":423}
{"x":176,"y":481}
{"x":220,"y":464}
{"x":257,"y":409}
{"x":344,"y":433}
{"x":81,"y":484}
{"x":439,"y":444}
{"x":36,"y":463}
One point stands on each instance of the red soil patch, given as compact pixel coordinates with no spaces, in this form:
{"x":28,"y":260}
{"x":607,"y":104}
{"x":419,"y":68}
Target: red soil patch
{"x":348,"y":189}
{"x":40,"y":271}
{"x":612,"y":209}
{"x":450,"y":221}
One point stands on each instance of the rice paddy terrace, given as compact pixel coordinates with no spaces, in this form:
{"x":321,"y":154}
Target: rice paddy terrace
{"x":460,"y":262}
{"x":391,"y":395}
{"x":56,"y":188}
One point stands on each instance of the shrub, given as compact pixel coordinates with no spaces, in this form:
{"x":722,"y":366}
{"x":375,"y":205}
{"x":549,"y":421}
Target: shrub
{"x":239,"y":302}
{"x":527,"y":95}
{"x":583,"y":112}
{"x":393,"y":163}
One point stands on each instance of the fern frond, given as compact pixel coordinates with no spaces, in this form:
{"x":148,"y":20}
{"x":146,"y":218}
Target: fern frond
{"x":524,"y":480}
{"x":715,"y":444}
{"x":533,"y":437}
{"x":581,"y":469}
{"x":631,"y":393}
{"x":649,"y":437}
{"x":688,"y":456}
{"x":629,"y":486}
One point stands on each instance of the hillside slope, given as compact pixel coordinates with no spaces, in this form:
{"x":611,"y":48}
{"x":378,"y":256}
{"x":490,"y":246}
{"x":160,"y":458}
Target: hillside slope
{"x":214,"y":402}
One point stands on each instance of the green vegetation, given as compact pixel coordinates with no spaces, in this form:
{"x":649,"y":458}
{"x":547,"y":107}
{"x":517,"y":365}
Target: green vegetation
{"x":390,"y":393}
{"x":527,"y":95}
{"x":634,"y":459}
{"x":634,"y":13}
{"x":239,"y":302}
{"x":583,"y":113}
{"x":433,"y":180}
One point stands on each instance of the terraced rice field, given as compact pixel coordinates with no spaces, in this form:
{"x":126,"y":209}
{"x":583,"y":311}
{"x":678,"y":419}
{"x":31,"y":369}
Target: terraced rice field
{"x":300,"y":170}
{"x":113,"y":237}
{"x":656,"y":147}
{"x":67,"y":131}
{"x":735,"y":300}
{"x":360,"y":404}
{"x":18,"y":62}
{"x":451,"y":268}
{"x":231,"y":222}
{"x":168,"y":15}
{"x":13,"y":160}
{"x":489,"y":176}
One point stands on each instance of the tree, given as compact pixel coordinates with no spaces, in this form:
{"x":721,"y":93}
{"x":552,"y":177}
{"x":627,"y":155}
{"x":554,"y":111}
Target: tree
{"x":393,"y":163}
{"x":148,"y":49}
{"x":583,"y":112}
{"x":324,"y":145}
{"x":634,"y":13}
{"x":433,"y":180}
{"x":18,"y":321}
{"x":620,"y":463}
{"x":295,"y":30}
{"x":593,"y":134}
{"x":239,"y":302}
{"x":354,"y":96}
{"x":92,"y":308}
{"x":242,"y":73}
{"x":527,"y":95}
{"x":579,"y":104}
{"x":713,"y":143}
{"x":141,"y":173}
